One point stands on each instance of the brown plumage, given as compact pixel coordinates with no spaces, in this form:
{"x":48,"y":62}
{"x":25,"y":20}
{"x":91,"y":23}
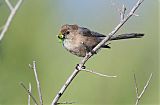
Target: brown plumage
{"x":80,"y":40}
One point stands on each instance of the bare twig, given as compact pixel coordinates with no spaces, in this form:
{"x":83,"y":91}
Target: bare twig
{"x":88,"y":55}
{"x":36,"y":103}
{"x":135,"y":14}
{"x":145,"y":87}
{"x":65,"y":102}
{"x":29,"y":97}
{"x":38,"y":83}
{"x":9,"y":5}
{"x":136,"y":85}
{"x":33,"y":66}
{"x":116,"y":28}
{"x":12,"y":14}
{"x":64,"y":87}
{"x":139,"y":96}
{"x":122,"y":12}
{"x":100,"y":74}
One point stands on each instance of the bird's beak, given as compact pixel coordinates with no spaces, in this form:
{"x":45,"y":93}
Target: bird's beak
{"x":60,"y":36}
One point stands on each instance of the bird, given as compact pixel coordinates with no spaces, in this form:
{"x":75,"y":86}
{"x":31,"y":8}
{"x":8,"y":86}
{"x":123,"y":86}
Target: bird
{"x":80,"y":40}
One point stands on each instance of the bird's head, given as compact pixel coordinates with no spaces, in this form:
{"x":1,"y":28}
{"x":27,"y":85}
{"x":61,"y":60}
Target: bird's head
{"x":67,"y":31}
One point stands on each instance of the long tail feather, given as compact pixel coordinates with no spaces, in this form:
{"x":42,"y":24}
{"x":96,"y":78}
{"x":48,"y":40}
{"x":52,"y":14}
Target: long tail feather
{"x":127,"y":36}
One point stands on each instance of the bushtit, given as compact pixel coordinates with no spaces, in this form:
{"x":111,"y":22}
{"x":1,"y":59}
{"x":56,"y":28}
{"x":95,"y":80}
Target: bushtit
{"x":79,"y":40}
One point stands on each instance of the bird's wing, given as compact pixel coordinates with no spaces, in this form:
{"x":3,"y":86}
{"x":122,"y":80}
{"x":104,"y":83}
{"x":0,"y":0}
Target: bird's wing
{"x":87,"y":32}
{"x":96,"y":34}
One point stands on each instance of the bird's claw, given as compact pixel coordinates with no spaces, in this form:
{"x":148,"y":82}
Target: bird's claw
{"x":93,"y":52}
{"x":78,"y":68}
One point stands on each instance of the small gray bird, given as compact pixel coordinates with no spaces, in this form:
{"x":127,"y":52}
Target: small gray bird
{"x":80,"y":40}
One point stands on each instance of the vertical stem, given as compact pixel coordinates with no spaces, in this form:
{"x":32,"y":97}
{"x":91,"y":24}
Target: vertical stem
{"x":38,"y":83}
{"x":29,"y":97}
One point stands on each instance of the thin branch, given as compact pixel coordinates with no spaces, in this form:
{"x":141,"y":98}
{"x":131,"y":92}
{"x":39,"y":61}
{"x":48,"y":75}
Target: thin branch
{"x":145,"y":87}
{"x":122,"y":12}
{"x":136,"y":85}
{"x":143,"y":91}
{"x":100,"y":74}
{"x":88,"y":55}
{"x":38,"y":83}
{"x":135,"y":14}
{"x":10,"y":18}
{"x":65,"y":102}
{"x":64,"y":87}
{"x":9,"y":5}
{"x":36,"y":103}
{"x":116,"y":28}
{"x":29,"y":97}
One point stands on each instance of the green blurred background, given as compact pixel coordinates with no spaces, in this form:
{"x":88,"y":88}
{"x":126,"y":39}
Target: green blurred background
{"x":32,"y":36}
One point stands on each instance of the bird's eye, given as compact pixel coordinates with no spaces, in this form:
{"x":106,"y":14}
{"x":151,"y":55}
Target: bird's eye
{"x":67,"y":32}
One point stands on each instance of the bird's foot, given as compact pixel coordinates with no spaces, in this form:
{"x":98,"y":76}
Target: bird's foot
{"x":93,"y":52}
{"x":78,"y":67}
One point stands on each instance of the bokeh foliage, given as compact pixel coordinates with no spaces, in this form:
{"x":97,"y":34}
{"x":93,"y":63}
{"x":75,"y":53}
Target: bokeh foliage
{"x":32,"y":36}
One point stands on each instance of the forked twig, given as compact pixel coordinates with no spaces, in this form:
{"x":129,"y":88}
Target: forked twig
{"x":33,"y":66}
{"x":38,"y":83}
{"x":9,"y":5}
{"x":29,"y":93}
{"x":139,"y":96}
{"x":10,"y":17}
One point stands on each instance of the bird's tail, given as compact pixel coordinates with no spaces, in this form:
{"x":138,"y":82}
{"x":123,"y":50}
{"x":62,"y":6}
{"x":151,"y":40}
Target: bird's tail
{"x":127,"y":36}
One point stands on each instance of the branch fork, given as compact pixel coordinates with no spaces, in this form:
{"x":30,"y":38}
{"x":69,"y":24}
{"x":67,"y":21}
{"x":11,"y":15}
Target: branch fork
{"x":97,"y":73}
{"x":33,"y":66}
{"x":13,"y":10}
{"x":29,"y":93}
{"x":139,"y":96}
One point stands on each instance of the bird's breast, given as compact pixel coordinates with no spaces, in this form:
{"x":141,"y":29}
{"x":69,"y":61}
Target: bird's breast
{"x":79,"y":45}
{"x":68,"y":44}
{"x":75,"y":47}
